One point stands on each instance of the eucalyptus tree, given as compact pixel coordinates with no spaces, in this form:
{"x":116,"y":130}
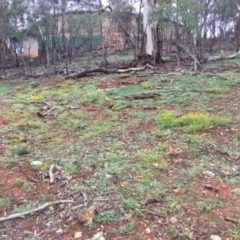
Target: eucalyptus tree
{"x":189,"y":19}
{"x":56,"y":22}
{"x":151,"y":39}
{"x":11,"y":24}
{"x":227,"y":14}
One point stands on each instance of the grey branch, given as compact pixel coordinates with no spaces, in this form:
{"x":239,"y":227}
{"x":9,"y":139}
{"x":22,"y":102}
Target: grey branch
{"x":22,"y":215}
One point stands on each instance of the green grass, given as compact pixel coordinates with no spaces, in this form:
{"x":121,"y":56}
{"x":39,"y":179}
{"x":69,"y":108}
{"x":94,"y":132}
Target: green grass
{"x":107,"y":217}
{"x":173,"y":204}
{"x":129,"y":204}
{"x":192,"y":121}
{"x":5,"y":202}
{"x":23,"y":208}
{"x":4,"y":88}
{"x":21,"y":149}
{"x":118,"y":163}
{"x":208,"y":206}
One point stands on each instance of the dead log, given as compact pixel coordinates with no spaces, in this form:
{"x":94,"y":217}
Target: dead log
{"x":222,"y":56}
{"x":106,"y":71}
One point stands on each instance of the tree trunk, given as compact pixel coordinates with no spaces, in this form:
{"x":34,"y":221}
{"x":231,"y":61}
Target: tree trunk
{"x":150,"y":33}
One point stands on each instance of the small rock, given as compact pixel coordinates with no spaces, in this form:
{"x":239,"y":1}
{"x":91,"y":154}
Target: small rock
{"x":98,"y":236}
{"x":60,"y":230}
{"x":148,"y":230}
{"x":108,"y":176}
{"x":61,"y":206}
{"x":77,"y":235}
{"x":190,"y":236}
{"x":215,"y":237}
{"x":51,"y":209}
{"x":124,"y":184}
{"x":173,"y":220}
{"x":74,"y":208}
{"x":128,"y":216}
{"x":86,"y":215}
{"x":209,"y":173}
{"x":36,"y":163}
{"x":89,"y":222}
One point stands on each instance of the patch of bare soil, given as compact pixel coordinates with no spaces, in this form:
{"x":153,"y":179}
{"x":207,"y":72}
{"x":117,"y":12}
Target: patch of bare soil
{"x":121,"y":81}
{"x":14,"y":190}
{"x":142,"y":126}
{"x":52,"y":81}
{"x":221,"y":134}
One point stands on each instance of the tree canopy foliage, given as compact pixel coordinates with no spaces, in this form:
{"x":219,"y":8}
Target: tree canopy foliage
{"x":67,"y":28}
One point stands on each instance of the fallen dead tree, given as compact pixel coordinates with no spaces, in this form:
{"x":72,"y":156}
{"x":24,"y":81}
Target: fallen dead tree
{"x":88,"y":71}
{"x":222,"y":56}
{"x":198,"y":64}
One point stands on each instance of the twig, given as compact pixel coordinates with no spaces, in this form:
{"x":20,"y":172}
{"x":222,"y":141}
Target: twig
{"x":47,"y":112}
{"x":220,"y":76}
{"x":22,"y":101}
{"x":225,"y":154}
{"x":230,"y":220}
{"x":211,"y":188}
{"x":51,"y":174}
{"x":83,"y":153}
{"x":16,"y":99}
{"x":22,"y":215}
{"x":154,"y":213}
{"x":29,"y":178}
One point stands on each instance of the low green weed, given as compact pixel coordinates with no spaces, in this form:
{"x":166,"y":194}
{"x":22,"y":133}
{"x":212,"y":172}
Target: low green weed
{"x":23,"y":208}
{"x":192,"y":121}
{"x":173,"y":203}
{"x":22,"y":183}
{"x":129,"y":204}
{"x":4,"y":202}
{"x":4,"y":88}
{"x":22,"y":149}
{"x":208,"y":206}
{"x":107,"y":217}
{"x":146,"y":85}
{"x":96,"y":96}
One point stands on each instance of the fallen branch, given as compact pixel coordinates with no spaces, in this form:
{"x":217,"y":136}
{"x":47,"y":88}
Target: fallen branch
{"x":221,"y":57}
{"x":22,"y":215}
{"x":154,"y":213}
{"x":22,"y":101}
{"x":146,"y":74}
{"x":220,"y":76}
{"x":46,"y":113}
{"x":29,"y":178}
{"x":51,"y":174}
{"x":15,"y":75}
{"x":230,"y":220}
{"x":106,"y":71}
{"x":143,"y":96}
{"x":182,"y":48}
